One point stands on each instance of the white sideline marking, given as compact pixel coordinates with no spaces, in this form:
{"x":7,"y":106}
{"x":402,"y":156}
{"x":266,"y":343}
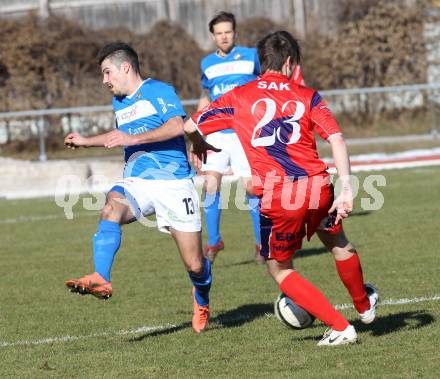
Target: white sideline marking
{"x":45,"y":341}
{"x":43,"y":218}
{"x":396,"y":302}
{"x":145,"y":329}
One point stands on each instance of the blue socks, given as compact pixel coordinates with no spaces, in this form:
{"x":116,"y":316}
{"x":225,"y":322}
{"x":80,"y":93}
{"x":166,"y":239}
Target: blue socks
{"x":202,"y":284}
{"x":254,"y":209}
{"x":106,"y":242}
{"x":213,"y":213}
{"x":212,"y":216}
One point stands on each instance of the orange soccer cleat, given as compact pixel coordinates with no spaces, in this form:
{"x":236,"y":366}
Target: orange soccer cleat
{"x":210,"y":252}
{"x":201,"y":315}
{"x":93,"y":284}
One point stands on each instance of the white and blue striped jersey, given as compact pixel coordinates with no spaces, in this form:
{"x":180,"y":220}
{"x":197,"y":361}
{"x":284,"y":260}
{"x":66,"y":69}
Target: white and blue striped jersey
{"x":149,"y":107}
{"x":221,"y":74}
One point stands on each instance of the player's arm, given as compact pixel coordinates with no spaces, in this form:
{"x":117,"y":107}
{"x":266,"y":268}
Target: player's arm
{"x":344,"y":202}
{"x":204,"y":99}
{"x":326,"y":126}
{"x":75,"y":140}
{"x":172,"y":128}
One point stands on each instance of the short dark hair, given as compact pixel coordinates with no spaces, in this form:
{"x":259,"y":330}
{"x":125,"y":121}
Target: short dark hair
{"x":274,"y":49}
{"x":119,"y":52}
{"x":222,"y":17}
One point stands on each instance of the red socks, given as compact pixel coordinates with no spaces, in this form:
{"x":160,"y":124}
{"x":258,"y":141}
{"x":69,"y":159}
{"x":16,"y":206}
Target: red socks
{"x":350,"y":272}
{"x":307,"y":296}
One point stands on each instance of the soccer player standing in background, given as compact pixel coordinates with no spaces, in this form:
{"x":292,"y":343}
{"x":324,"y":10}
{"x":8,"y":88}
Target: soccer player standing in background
{"x":226,"y":68}
{"x":275,"y":121}
{"x":157,"y":176}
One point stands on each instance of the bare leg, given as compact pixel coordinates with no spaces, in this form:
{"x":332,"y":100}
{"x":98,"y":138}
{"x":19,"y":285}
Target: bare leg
{"x":337,"y":244}
{"x":190,"y":249}
{"x":117,"y":209}
{"x":199,"y":270}
{"x":348,"y":267}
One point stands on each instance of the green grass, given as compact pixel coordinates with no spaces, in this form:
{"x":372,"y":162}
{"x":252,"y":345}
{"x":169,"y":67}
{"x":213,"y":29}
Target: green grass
{"x":399,"y":250}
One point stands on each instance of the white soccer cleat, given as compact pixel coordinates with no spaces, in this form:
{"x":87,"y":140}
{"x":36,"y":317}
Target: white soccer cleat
{"x":369,"y":315}
{"x":334,"y":338}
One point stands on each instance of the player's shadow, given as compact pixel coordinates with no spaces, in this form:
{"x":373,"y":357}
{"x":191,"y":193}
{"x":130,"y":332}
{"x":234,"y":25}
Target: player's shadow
{"x":229,"y":319}
{"x":393,"y":323}
{"x":240,"y":263}
{"x":309,"y":252}
{"x":242,"y":315}
{"x":246,"y":313}
{"x":161,"y":332}
{"x":396,"y":322}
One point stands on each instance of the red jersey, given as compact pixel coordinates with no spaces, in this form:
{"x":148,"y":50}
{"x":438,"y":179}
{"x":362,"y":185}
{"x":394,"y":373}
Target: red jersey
{"x":275,"y":122}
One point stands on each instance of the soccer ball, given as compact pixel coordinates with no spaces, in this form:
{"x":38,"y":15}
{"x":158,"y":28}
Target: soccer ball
{"x":291,"y":314}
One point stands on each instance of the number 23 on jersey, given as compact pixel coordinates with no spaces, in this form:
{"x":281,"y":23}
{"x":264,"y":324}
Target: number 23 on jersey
{"x":268,"y":130}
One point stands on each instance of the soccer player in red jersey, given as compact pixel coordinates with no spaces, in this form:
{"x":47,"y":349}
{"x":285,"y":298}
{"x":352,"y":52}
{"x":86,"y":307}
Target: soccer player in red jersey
{"x":275,"y":121}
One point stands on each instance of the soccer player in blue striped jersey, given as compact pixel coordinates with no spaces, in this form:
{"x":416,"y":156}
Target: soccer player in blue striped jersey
{"x":157,"y":176}
{"x":226,"y":68}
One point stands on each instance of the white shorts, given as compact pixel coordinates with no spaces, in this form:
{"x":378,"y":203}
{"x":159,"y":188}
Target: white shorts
{"x":232,"y":155}
{"x":175,"y":202}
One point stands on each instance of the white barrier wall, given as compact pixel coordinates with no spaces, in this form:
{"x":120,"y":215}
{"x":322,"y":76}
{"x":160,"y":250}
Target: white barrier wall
{"x":26,"y":179}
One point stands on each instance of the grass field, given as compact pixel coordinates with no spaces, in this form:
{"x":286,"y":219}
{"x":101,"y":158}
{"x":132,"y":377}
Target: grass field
{"x":144,"y":330}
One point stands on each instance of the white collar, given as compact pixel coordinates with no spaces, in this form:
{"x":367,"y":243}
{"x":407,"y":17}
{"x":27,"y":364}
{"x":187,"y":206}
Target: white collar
{"x":137,"y":89}
{"x":220,"y":56}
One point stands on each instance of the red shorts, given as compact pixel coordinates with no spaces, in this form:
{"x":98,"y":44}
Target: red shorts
{"x":297,"y":211}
